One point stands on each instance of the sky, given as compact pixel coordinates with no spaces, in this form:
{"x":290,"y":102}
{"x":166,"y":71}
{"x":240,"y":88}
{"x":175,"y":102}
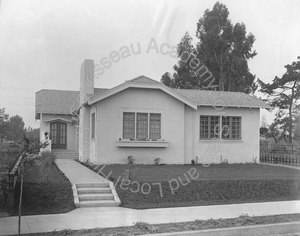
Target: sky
{"x":43,"y":43}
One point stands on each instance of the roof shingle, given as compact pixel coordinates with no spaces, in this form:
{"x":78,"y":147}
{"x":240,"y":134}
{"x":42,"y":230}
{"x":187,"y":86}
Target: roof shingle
{"x":221,"y":98}
{"x":59,"y":101}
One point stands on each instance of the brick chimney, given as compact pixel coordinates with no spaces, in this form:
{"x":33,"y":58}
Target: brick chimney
{"x":86,"y":80}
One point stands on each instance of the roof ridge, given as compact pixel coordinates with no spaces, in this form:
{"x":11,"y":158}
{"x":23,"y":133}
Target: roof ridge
{"x":60,"y":90}
{"x":142,"y":76}
{"x":207,"y":90}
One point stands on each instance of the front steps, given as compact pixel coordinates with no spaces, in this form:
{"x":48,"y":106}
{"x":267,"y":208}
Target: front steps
{"x":95,"y":195}
{"x":66,"y":154}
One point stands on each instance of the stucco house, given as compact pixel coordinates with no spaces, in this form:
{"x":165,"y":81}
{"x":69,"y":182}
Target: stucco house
{"x":146,"y":119}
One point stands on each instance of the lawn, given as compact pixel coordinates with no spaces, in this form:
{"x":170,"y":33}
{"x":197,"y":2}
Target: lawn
{"x":152,"y":173}
{"x":41,"y":196}
{"x":152,"y":186}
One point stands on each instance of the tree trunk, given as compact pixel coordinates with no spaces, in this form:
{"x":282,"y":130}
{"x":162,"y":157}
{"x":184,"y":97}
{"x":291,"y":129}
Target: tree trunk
{"x":291,"y":114}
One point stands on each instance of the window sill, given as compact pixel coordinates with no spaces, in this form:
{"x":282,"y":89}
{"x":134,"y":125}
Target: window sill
{"x":220,"y":141}
{"x":154,"y":144}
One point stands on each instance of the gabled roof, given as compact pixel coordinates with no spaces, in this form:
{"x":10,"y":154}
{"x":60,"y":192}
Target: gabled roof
{"x":59,"y":101}
{"x":222,"y":98}
{"x":142,"y":82}
{"x":65,"y":102}
{"x":142,"y":79}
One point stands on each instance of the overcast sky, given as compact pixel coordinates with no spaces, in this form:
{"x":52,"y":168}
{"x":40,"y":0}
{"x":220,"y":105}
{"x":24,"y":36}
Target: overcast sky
{"x":43,"y":43}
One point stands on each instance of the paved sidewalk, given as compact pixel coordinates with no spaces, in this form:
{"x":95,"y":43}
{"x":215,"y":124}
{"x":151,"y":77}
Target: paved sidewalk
{"x":88,"y":218}
{"x":78,"y":173}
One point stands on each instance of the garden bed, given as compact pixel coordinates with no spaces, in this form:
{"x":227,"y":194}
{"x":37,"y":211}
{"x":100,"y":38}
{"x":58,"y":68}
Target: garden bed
{"x":195,"y":185}
{"x":41,"y":196}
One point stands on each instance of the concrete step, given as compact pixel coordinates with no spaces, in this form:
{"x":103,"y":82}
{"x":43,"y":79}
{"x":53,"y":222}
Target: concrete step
{"x":92,"y":185}
{"x":93,"y":190}
{"x":95,"y":197}
{"x":66,"y":154}
{"x":98,"y":203}
{"x":59,"y":156}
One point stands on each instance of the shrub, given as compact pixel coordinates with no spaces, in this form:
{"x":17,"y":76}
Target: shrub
{"x":46,"y":159}
{"x":130,"y":160}
{"x":157,"y":161}
{"x":131,"y":170}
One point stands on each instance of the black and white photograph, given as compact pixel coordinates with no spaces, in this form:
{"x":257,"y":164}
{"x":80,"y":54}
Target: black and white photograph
{"x":150,"y":117}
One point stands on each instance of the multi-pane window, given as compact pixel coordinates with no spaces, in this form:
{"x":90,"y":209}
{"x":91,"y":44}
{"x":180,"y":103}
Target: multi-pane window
{"x":128,"y":125}
{"x":235,"y":127}
{"x":63,"y":133}
{"x":225,"y":127}
{"x":209,"y":127}
{"x":141,"y":126}
{"x":154,"y":128}
{"x":230,"y":126}
{"x":93,"y":124}
{"x":53,"y":132}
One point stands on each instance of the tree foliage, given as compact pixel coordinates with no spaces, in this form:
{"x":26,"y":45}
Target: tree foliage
{"x":3,"y":124}
{"x":32,"y":134}
{"x":284,"y":93}
{"x":222,"y":53}
{"x":16,"y":128}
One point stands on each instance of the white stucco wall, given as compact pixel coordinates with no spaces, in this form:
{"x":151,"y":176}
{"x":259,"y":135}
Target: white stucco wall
{"x":84,"y":144}
{"x":93,"y":140}
{"x":109,"y":122}
{"x":71,"y":129}
{"x":210,"y":151}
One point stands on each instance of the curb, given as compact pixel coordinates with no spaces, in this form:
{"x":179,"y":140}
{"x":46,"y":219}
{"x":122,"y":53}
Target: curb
{"x":269,"y":229}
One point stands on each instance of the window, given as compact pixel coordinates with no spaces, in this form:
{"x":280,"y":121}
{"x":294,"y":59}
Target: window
{"x":93,"y":125}
{"x":128,"y":125}
{"x":230,"y":126}
{"x":154,"y":126}
{"x":141,"y":126}
{"x":209,"y":127}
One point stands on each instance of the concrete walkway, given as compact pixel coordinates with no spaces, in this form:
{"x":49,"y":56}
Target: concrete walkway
{"x":88,"y":218}
{"x":78,"y":173}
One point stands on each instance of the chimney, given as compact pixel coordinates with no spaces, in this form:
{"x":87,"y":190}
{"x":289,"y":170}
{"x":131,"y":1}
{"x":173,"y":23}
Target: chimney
{"x":86,"y":88}
{"x":86,"y":80}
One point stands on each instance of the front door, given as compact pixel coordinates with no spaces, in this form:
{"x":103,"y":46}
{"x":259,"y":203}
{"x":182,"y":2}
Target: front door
{"x":58,"y":135}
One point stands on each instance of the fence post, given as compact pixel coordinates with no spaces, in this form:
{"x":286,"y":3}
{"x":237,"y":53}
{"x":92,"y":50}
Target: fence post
{"x":11,"y":197}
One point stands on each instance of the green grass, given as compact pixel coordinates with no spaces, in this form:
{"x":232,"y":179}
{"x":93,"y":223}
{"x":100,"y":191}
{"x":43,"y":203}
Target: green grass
{"x":41,"y":196}
{"x":141,"y":228}
{"x":216,"y":184}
